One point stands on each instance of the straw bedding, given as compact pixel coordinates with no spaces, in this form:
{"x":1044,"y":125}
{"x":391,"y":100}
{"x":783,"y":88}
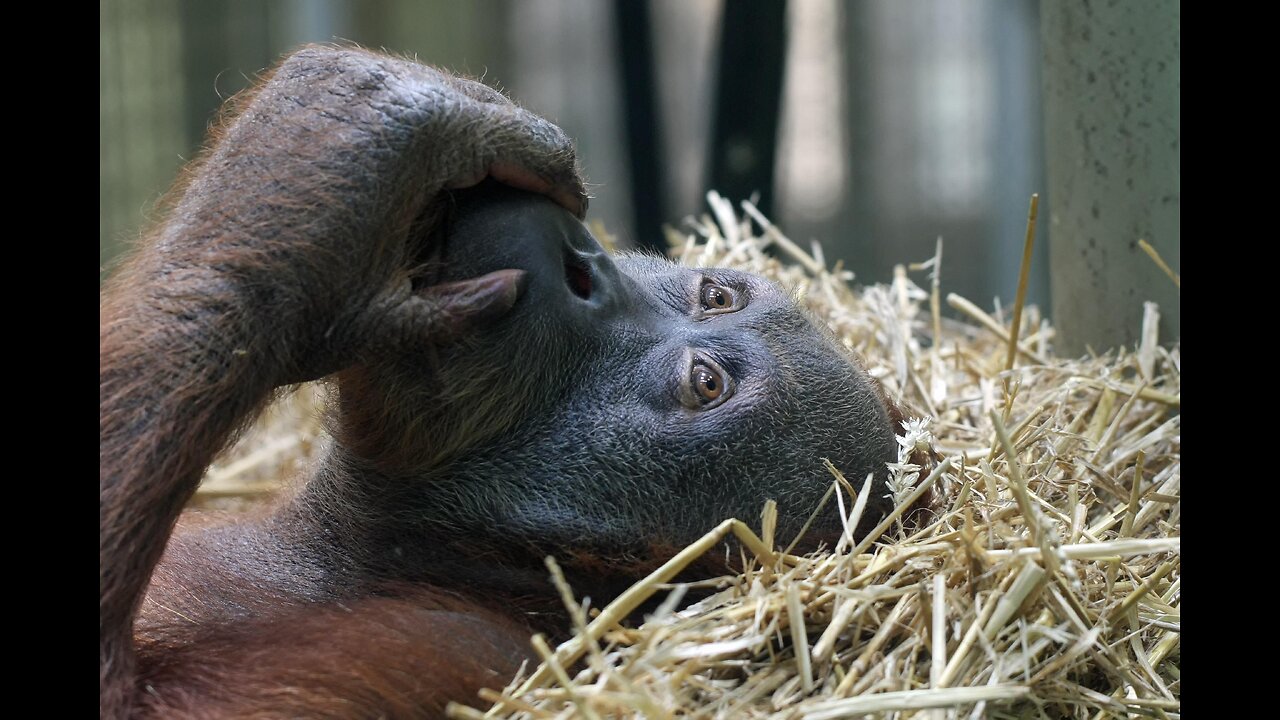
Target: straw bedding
{"x":1044,"y":580}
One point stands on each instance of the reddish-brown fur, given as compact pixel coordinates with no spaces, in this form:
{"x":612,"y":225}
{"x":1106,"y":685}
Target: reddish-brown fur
{"x":283,"y":253}
{"x":405,"y":656}
{"x":293,"y":250}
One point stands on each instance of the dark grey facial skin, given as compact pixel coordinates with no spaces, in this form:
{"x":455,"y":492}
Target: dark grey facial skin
{"x":572,"y":426}
{"x":505,"y":391}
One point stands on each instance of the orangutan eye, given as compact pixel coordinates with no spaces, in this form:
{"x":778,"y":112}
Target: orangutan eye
{"x":717,"y":298}
{"x":710,"y":384}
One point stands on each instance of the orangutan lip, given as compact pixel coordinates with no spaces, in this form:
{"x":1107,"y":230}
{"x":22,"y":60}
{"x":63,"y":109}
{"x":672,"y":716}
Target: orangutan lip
{"x":578,"y":277}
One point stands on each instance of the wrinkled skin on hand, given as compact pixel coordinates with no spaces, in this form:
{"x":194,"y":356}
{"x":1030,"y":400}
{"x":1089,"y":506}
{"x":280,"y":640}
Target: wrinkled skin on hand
{"x":315,"y":195}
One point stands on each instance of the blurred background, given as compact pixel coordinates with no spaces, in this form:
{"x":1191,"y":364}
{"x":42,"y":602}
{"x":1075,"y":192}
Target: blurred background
{"x":872,"y":126}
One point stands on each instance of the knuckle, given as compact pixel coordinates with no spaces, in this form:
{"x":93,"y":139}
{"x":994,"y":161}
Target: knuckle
{"x":481,"y":92}
{"x":320,"y":60}
{"x":536,"y":132}
{"x":353,"y":75}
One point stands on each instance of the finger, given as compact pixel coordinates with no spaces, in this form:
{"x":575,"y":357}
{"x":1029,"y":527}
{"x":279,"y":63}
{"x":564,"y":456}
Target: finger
{"x":550,"y":156}
{"x":531,"y":153}
{"x":478,"y":91}
{"x":567,"y":195}
{"x":468,"y":304}
{"x":442,"y":313}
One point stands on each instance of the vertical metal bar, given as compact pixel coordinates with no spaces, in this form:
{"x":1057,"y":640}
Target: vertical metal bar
{"x":753,"y":41}
{"x":634,"y":29}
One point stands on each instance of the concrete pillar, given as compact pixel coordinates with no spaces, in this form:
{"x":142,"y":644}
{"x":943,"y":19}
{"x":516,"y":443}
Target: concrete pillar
{"x":1111,"y":90}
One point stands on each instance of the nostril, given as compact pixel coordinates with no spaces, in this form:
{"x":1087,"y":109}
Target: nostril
{"x":578,"y":278}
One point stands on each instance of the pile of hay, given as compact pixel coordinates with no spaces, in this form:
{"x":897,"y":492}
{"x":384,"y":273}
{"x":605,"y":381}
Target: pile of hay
{"x":1046,"y":583}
